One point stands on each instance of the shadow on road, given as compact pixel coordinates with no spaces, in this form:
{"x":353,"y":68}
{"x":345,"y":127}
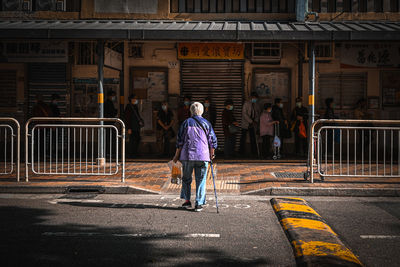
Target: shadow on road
{"x":28,"y":238}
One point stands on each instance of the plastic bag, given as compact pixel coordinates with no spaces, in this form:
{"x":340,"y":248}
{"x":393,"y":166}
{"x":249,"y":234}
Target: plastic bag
{"x":277,"y":141}
{"x":176,"y":172}
{"x":302,"y":130}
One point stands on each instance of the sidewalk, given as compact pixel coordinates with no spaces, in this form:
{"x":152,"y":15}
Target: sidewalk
{"x":261,"y":177}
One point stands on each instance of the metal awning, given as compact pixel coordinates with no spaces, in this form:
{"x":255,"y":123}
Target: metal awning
{"x":201,"y":30}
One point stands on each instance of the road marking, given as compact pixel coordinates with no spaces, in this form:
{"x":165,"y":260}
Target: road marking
{"x":97,"y":234}
{"x":55,"y":201}
{"x":203,"y":235}
{"x":379,"y":236}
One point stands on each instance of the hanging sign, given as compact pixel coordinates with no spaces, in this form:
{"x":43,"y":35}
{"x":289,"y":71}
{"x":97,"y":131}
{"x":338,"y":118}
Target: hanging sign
{"x":34,"y":51}
{"x":210,"y":51}
{"x":370,"y":55}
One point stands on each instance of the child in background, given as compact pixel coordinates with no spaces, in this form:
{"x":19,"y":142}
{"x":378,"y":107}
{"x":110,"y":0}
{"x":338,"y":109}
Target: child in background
{"x":267,"y":129}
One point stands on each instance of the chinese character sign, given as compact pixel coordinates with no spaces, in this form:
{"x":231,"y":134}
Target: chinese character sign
{"x":210,"y":51}
{"x":370,"y":55}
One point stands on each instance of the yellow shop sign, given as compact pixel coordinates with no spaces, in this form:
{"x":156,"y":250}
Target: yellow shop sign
{"x":210,"y":51}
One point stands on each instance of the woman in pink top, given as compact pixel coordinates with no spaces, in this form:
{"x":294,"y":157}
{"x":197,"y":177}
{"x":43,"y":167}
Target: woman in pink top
{"x":267,"y":129}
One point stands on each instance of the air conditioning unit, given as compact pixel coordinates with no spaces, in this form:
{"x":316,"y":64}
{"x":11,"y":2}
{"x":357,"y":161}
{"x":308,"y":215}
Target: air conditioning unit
{"x":11,"y":5}
{"x":60,"y":5}
{"x":45,"y":5}
{"x":26,"y":5}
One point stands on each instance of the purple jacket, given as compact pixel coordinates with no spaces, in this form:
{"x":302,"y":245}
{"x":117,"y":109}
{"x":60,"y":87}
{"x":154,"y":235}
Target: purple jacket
{"x":194,"y":142}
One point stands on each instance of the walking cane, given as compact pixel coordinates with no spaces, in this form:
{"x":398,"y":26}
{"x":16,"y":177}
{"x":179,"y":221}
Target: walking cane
{"x":215,"y":189}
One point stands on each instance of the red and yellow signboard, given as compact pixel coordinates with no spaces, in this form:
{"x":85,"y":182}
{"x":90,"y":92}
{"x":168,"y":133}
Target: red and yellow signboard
{"x":210,"y":51}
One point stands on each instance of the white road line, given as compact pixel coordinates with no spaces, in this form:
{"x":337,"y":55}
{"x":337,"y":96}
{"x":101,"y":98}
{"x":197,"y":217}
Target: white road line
{"x":379,"y":236}
{"x":55,"y":201}
{"x":88,"y":234}
{"x":203,"y":235}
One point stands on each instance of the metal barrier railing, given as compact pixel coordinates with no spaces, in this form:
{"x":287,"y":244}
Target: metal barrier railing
{"x":73,"y":146}
{"x":10,"y":131}
{"x":354,"y":148}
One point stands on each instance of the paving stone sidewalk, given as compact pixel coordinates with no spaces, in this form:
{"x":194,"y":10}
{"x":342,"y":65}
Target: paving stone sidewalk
{"x":231,"y":177}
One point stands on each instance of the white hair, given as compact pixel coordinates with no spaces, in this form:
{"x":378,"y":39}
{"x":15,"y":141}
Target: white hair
{"x":196,"y":109}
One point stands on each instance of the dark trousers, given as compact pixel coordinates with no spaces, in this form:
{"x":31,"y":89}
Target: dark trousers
{"x":266,"y":146}
{"x":134,"y":141}
{"x":252,"y":134}
{"x":301,"y":145}
{"x":229,"y":146}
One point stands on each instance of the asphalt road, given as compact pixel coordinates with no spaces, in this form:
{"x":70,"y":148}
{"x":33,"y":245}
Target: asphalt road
{"x":136,"y":230}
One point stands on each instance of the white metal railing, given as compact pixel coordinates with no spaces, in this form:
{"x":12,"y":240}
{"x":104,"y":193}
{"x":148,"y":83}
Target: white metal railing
{"x":75,"y":146}
{"x":354,"y":148}
{"x":10,"y":131}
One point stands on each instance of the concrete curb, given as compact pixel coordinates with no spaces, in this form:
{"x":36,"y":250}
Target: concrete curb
{"x":313,"y":241}
{"x":66,"y":189}
{"x":326,"y":191}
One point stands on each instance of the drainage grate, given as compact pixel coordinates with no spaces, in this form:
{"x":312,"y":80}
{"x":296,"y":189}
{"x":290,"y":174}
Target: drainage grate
{"x":85,"y":189}
{"x":288,"y":174}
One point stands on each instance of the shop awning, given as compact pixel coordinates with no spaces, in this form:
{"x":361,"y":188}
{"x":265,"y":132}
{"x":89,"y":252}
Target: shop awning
{"x":201,"y":30}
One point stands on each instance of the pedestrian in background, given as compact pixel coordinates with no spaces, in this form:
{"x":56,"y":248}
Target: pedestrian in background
{"x":133,"y":123}
{"x":279,"y":115}
{"x":109,"y":109}
{"x":55,"y":111}
{"x":184,"y":110}
{"x":267,"y":125}
{"x":250,"y":120}
{"x":209,"y":111}
{"x":195,"y":148}
{"x":165,"y":120}
{"x":41,"y":109}
{"x":230,"y":127}
{"x":299,"y":127}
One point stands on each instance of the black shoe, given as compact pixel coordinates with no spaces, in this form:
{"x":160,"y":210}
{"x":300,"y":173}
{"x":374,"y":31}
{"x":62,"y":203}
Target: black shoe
{"x":198,"y":208}
{"x":187,"y":205}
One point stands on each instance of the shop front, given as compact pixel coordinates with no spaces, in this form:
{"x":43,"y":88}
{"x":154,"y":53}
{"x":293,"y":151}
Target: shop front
{"x":217,"y":60}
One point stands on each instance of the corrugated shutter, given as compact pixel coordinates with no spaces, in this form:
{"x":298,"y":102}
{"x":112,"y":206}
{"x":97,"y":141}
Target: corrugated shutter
{"x":345,"y":88}
{"x":8,"y":88}
{"x":47,"y":79}
{"x":219,"y":80}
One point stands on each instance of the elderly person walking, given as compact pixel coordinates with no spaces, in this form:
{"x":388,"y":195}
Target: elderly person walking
{"x":195,"y":148}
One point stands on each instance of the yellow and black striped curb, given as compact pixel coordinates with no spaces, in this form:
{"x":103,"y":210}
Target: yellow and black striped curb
{"x":314,"y":242}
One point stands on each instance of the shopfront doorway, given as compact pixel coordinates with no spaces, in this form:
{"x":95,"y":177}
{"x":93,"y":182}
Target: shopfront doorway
{"x":219,"y":80}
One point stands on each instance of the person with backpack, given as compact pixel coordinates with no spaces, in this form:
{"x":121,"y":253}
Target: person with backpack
{"x":299,"y":127}
{"x":195,"y":148}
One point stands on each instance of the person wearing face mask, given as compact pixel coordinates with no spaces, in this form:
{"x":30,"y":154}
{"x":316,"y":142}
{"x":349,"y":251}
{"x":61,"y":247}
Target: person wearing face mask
{"x":164,"y":129}
{"x":133,"y":123}
{"x":109,"y":109}
{"x":299,"y":127}
{"x":184,"y":110}
{"x":209,"y":112}
{"x":278,"y":115}
{"x":230,"y":126}
{"x":250,"y":121}
{"x":267,"y":129}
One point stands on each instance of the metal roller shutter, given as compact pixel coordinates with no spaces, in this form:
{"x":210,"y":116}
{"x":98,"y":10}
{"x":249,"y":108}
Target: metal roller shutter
{"x":345,"y":88}
{"x":219,"y":80}
{"x":47,"y":79}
